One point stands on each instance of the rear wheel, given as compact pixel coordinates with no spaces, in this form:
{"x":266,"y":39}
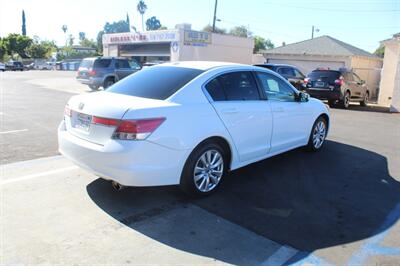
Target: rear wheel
{"x":93,"y":87}
{"x":318,"y":134}
{"x":203,"y":170}
{"x":108,"y":82}
{"x":364,"y":102}
{"x":346,"y":100}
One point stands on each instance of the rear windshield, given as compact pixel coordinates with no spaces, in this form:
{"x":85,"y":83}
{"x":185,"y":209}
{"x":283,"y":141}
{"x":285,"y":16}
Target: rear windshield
{"x":324,"y":75}
{"x":86,"y":63}
{"x":157,"y":82}
{"x":266,"y":66}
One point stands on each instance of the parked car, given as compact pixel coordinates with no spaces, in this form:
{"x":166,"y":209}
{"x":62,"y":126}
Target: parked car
{"x":291,"y":73}
{"x":188,"y":123}
{"x":339,"y":87}
{"x":105,"y":71}
{"x":44,"y":66}
{"x":14,"y":66}
{"x":2,"y":67}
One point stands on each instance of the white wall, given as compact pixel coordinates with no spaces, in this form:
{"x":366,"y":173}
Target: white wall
{"x":224,"y":48}
{"x":368,"y":69}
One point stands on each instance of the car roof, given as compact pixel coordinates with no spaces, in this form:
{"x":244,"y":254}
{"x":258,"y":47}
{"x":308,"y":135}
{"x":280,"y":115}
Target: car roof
{"x":201,"y":65}
{"x":276,"y":65}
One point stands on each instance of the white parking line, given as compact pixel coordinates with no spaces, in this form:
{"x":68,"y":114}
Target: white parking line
{"x":282,"y":255}
{"x":23,"y":178}
{"x":13,"y":131}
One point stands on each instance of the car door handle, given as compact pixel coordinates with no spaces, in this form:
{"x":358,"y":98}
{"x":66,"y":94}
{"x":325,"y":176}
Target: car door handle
{"x":278,"y":109}
{"x":229,"y":111}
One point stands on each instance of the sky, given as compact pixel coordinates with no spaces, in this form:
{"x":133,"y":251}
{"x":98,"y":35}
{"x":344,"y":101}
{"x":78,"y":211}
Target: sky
{"x":362,"y":23}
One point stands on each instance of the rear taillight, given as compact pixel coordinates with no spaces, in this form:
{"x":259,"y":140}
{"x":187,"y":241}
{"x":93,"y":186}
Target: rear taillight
{"x":339,"y":81}
{"x":92,"y":72}
{"x":306,"y":81}
{"x":105,"y":121}
{"x":137,"y":129}
{"x":67,"y":111}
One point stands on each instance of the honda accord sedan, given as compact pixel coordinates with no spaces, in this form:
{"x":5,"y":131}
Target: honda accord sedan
{"x":188,"y":124}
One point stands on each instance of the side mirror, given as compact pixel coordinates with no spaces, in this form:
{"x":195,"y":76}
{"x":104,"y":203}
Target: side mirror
{"x":302,"y":97}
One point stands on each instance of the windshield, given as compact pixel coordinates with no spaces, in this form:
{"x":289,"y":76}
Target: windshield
{"x":157,"y":82}
{"x":324,"y":75}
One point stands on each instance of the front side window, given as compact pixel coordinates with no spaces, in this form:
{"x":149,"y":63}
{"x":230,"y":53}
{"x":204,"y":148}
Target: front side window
{"x":275,"y":88}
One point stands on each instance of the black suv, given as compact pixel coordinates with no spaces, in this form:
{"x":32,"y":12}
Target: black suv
{"x":104,"y":71}
{"x":339,"y":87}
{"x":291,"y":73}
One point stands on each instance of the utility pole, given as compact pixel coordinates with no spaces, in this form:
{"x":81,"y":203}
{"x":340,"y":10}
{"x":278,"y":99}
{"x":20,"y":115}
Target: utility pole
{"x":313,"y":29}
{"x":215,"y":15}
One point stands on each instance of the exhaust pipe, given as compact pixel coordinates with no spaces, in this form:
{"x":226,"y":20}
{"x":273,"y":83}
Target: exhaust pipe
{"x":117,"y":186}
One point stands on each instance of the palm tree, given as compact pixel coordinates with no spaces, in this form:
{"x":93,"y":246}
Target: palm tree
{"x":64,"y":29}
{"x":141,"y":8}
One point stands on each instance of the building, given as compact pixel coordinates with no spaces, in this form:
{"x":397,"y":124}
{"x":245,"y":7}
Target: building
{"x":180,"y":44}
{"x":326,"y":51}
{"x":389,"y":93}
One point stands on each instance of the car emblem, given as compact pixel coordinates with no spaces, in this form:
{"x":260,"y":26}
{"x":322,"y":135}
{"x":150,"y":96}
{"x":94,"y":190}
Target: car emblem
{"x":81,"y":105}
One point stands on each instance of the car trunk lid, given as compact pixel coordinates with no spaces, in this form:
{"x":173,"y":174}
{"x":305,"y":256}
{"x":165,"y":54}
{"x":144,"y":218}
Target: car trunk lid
{"x":84,"y":110}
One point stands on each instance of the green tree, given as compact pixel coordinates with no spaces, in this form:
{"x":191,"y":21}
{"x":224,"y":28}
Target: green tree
{"x":71,"y":39}
{"x":128,"y":21}
{"x":23,"y":23}
{"x":17,"y":44}
{"x":141,"y":8}
{"x":115,"y":27}
{"x":42,"y":49}
{"x":261,"y":44}
{"x":153,"y":24}
{"x":240,"y":31}
{"x":3,"y":50}
{"x":380,"y":51}
{"x":88,"y":43}
{"x":82,"y":36}
{"x":208,"y":28}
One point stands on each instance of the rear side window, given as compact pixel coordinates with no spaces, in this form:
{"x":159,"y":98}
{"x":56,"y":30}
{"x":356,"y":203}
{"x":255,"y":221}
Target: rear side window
{"x":101,"y":63}
{"x":286,"y":71}
{"x":324,"y":75}
{"x":158,"y":82}
{"x":215,"y":90}
{"x":122,"y":64}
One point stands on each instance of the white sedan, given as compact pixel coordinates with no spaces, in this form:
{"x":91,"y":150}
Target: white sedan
{"x":188,"y":123}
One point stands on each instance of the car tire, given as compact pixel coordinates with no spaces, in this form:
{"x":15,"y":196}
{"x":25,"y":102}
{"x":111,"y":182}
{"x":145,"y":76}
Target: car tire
{"x":317,"y":134}
{"x":346,"y":100}
{"x":203,"y":173}
{"x":364,"y":102}
{"x":93,"y":87}
{"x":331,"y":104}
{"x":108,"y":82}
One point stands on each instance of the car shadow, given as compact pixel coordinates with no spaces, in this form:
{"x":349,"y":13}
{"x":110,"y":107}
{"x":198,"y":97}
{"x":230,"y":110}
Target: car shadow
{"x":368,"y":108}
{"x":305,"y":200}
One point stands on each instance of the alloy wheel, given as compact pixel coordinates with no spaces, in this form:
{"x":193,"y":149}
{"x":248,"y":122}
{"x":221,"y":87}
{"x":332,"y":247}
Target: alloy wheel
{"x":319,"y":134}
{"x":208,"y":170}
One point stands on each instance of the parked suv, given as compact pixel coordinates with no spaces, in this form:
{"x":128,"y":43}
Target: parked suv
{"x":291,"y":73}
{"x":104,"y":71}
{"x":339,"y":87}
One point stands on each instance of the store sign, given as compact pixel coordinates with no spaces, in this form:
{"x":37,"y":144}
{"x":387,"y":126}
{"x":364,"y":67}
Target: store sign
{"x":197,"y":38}
{"x":128,"y":37}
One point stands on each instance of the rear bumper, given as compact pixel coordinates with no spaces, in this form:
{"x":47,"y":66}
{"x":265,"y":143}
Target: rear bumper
{"x":91,"y":81}
{"x":130,"y":163}
{"x":324,"y":94}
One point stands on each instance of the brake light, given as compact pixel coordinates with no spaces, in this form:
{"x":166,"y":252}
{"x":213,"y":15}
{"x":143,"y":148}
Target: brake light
{"x":137,"y":129}
{"x":67,"y":111}
{"x":92,"y":72}
{"x":339,"y":81}
{"x":306,"y":80}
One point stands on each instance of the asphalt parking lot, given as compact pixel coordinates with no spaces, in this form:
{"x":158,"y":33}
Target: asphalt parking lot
{"x":340,"y":206}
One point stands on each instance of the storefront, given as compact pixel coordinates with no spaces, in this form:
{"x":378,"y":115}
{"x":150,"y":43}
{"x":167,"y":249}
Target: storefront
{"x":178,"y":45}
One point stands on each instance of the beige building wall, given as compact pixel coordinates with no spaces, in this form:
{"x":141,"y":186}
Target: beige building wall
{"x":389,"y":93}
{"x":369,"y":69}
{"x":223,"y":48}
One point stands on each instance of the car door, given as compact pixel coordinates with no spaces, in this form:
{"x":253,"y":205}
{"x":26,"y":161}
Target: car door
{"x":122,"y":68}
{"x":292,"y":119}
{"x":246,"y":115}
{"x":352,"y":85}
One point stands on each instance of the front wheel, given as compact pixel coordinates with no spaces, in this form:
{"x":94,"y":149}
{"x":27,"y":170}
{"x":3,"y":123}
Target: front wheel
{"x":318,"y":134}
{"x":364,"y":102}
{"x":203,"y":170}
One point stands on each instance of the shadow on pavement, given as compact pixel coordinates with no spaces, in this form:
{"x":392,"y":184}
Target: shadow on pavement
{"x":368,"y":108}
{"x":306,"y":200}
